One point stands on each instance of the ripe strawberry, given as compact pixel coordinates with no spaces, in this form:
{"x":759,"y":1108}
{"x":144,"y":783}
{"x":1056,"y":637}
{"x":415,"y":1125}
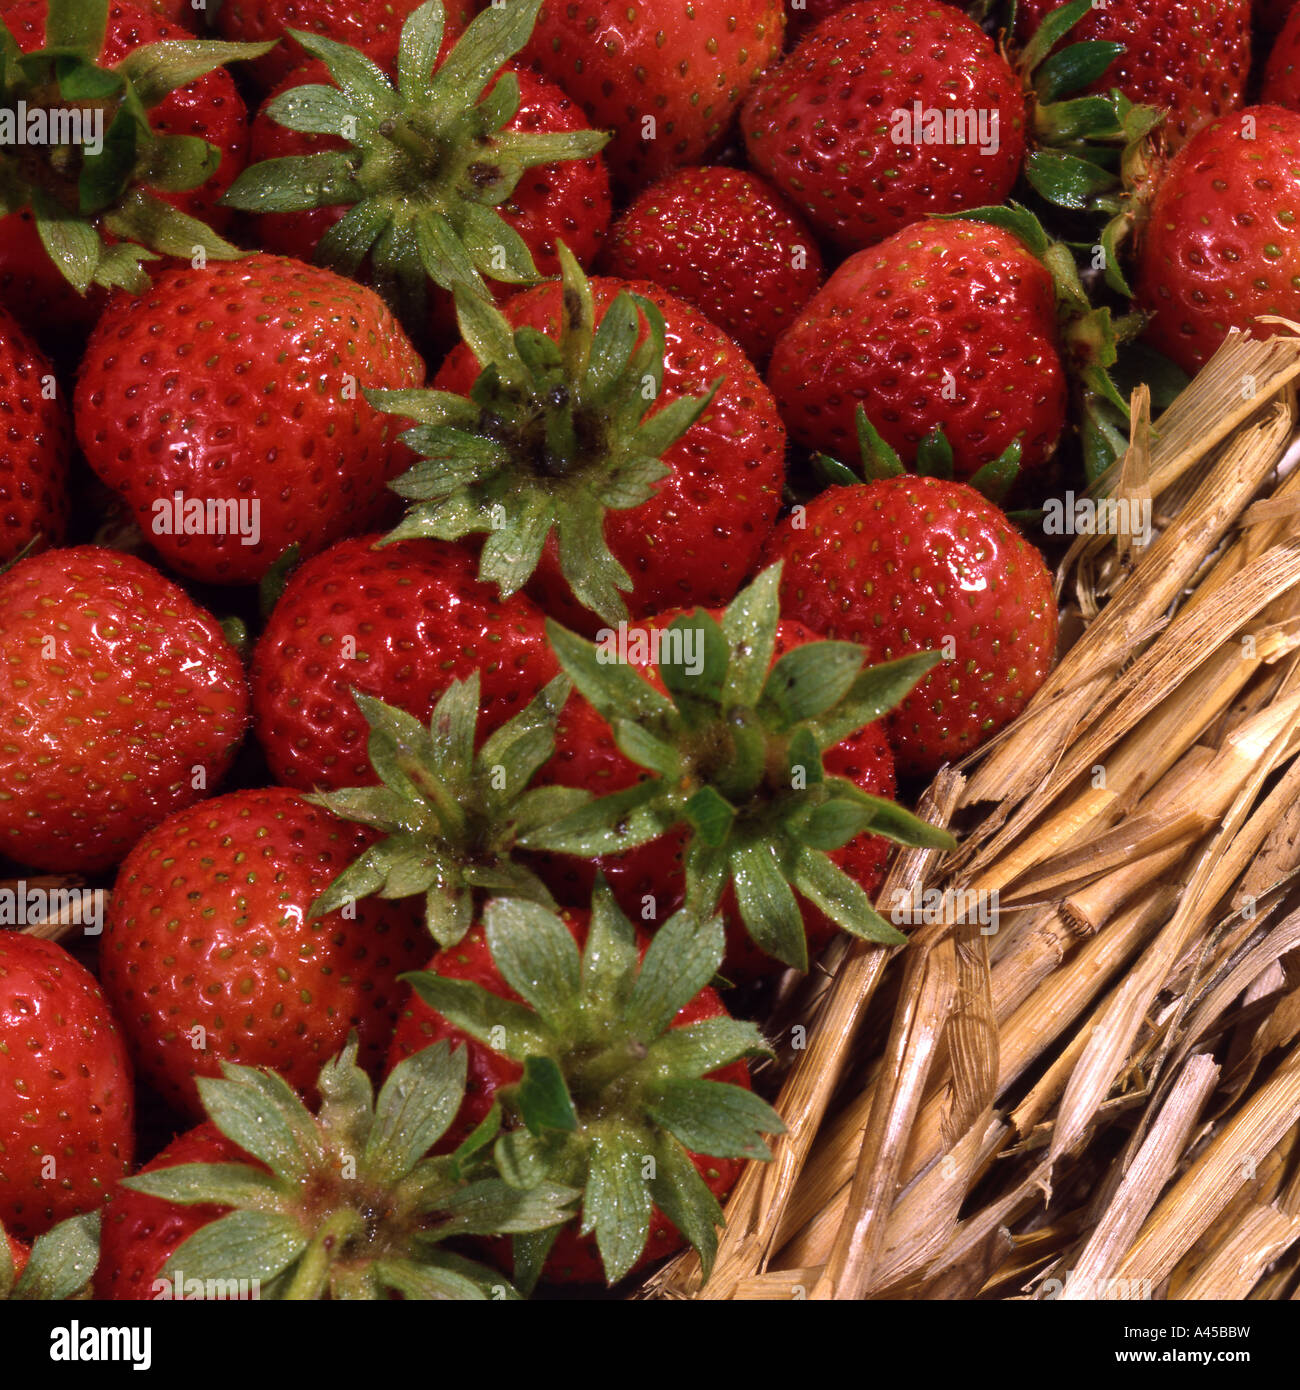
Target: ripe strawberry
{"x":1282,"y":73}
{"x":1189,"y":57}
{"x":596,"y":1074}
{"x":948,"y":324}
{"x":400,"y":623}
{"x":907,"y":564}
{"x":267,"y":1200}
{"x":240,"y":387}
{"x":66,"y":1105}
{"x":548,"y":451}
{"x":153,"y":110}
{"x":474,"y":157}
{"x":121,"y":702}
{"x":824,"y":125}
{"x":1217,"y":247}
{"x":666,"y":79}
{"x":209,"y":930}
{"x":728,"y":243}
{"x":19,"y":1254}
{"x":35,"y":445}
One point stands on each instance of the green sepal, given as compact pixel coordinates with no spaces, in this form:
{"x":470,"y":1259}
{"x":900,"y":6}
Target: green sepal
{"x":61,"y":1264}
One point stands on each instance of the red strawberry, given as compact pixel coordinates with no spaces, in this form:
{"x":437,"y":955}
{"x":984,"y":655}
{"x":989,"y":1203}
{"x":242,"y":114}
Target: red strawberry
{"x":729,"y":244}
{"x":1189,"y":57}
{"x":210,"y":107}
{"x":664,"y":77}
{"x":66,"y":1104}
{"x":948,"y":324}
{"x":399,"y":623}
{"x":1217,"y":246}
{"x":687,"y":495}
{"x":1282,"y":72}
{"x":19,"y":1254}
{"x":833,"y":125}
{"x":241,"y":388}
{"x":121,"y":702}
{"x":210,"y":929}
{"x":35,"y":445}
{"x":908,"y":564}
{"x":484,"y":160}
{"x":604,"y":1055}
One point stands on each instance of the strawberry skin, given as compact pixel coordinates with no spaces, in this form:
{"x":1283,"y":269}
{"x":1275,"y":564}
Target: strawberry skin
{"x":699,"y":536}
{"x":1282,"y":74}
{"x":19,"y":1254}
{"x":35,"y":445}
{"x":245,"y":381}
{"x":1218,"y":245}
{"x":574,"y":1259}
{"x":209,"y":926}
{"x":120,"y":702}
{"x":67,"y":1094}
{"x":949,"y":324}
{"x":728,"y":243}
{"x":1190,"y":57}
{"x":820,"y":124}
{"x":664,"y":76}
{"x":417,"y":617}
{"x":906,"y":564}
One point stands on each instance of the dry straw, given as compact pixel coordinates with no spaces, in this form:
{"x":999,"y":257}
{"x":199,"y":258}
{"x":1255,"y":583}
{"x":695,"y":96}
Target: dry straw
{"x":1099,"y":1096}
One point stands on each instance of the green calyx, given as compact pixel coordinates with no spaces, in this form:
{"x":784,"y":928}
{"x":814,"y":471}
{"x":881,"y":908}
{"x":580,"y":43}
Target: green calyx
{"x":345,"y":1203}
{"x":60,"y":1266}
{"x":613,"y":1099}
{"x":734,"y":752}
{"x":82,"y":155}
{"x":428,"y":161}
{"x":450,"y":817}
{"x":553,"y":434}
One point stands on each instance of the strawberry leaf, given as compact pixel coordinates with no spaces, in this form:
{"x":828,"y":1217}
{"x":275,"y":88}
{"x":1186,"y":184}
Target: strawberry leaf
{"x":418,"y":1102}
{"x":61,"y":1264}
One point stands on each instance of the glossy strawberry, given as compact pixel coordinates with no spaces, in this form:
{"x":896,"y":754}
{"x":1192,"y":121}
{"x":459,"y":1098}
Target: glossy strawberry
{"x":399,"y":623}
{"x":906,"y":565}
{"x":834,"y":126}
{"x":666,"y":78}
{"x":66,"y":1105}
{"x":728,"y":243}
{"x":121,"y":701}
{"x":1188,"y":57}
{"x":613,"y":1078}
{"x":1217,"y":248}
{"x":35,"y":445}
{"x":948,"y":324}
{"x":209,"y":952}
{"x":240,"y":387}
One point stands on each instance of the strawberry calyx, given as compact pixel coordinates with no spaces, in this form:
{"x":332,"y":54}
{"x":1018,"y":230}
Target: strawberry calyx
{"x":60,"y":1266}
{"x":733,"y":752}
{"x":607,"y":1082}
{"x":345,"y":1203}
{"x":428,"y":160}
{"x":450,"y":817}
{"x":552,"y":435}
{"x":94,"y":199}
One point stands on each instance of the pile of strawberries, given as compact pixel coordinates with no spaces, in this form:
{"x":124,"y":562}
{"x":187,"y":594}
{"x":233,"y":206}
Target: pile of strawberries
{"x":495,"y":503}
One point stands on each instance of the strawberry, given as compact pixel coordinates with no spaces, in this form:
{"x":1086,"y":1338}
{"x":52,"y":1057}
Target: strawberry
{"x":66,"y":1106}
{"x":1216,"y":247}
{"x":456,"y":165}
{"x":589,"y":455}
{"x":824,"y":124}
{"x":400,"y":623}
{"x":121,"y":703}
{"x":948,"y":324}
{"x":226,"y":405}
{"x":666,"y":78}
{"x":599,"y":1059}
{"x":1281,"y":85}
{"x":267,"y":1200}
{"x":728,"y":243}
{"x":905,"y":564}
{"x":209,"y":952}
{"x":1188,"y":57}
{"x":35,"y":445}
{"x":58,"y":1266}
{"x":174,"y":136}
